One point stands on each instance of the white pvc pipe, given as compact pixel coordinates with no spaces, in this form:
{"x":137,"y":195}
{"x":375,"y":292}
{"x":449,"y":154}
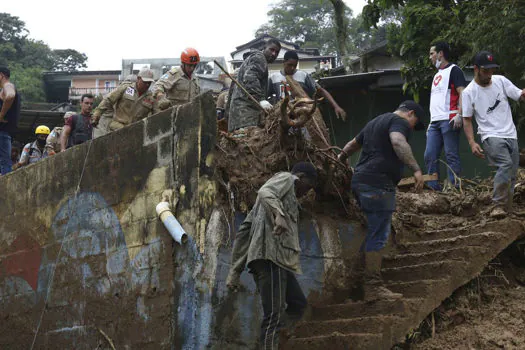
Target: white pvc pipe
{"x":172,"y":224}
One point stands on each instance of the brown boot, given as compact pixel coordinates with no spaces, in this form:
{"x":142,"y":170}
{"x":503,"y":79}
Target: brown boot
{"x":373,"y":285}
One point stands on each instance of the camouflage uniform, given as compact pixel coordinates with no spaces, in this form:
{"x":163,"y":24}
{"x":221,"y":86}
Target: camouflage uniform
{"x":253,"y":75}
{"x":125,"y":106}
{"x":177,"y":86}
{"x":53,"y":142}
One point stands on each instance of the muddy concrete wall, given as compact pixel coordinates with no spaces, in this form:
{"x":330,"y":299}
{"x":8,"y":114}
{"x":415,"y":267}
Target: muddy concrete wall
{"x":95,"y":267}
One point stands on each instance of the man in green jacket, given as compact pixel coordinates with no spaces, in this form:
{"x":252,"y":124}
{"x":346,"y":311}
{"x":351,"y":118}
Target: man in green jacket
{"x":268,"y":243}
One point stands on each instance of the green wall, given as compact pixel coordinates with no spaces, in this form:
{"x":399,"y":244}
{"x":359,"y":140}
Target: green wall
{"x":362,"y":105}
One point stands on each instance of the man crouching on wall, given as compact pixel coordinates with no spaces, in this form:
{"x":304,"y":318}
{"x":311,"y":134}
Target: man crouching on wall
{"x":268,"y":243}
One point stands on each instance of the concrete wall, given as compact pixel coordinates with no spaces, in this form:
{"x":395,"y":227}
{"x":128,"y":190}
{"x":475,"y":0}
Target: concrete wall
{"x":110,"y":272}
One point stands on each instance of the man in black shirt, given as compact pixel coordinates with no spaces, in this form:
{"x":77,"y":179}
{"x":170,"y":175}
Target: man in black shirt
{"x":385,"y":151}
{"x":9,"y":115}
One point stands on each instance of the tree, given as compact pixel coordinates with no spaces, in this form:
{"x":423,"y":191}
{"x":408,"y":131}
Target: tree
{"x":29,"y":58}
{"x":69,"y":60}
{"x":310,"y":23}
{"x":468,"y":26}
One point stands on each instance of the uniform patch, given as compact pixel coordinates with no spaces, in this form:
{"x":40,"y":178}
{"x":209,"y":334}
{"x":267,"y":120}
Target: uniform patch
{"x":130,"y":91}
{"x":165,"y":76}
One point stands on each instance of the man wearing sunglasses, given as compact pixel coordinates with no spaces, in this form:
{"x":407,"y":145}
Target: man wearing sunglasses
{"x":486,"y":99}
{"x":178,"y":85}
{"x":128,"y":103}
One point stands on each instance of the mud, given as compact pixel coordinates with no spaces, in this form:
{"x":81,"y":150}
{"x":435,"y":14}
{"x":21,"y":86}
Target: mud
{"x":487,"y":313}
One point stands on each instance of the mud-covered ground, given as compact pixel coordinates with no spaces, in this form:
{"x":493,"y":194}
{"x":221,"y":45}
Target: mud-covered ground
{"x":487,"y":313}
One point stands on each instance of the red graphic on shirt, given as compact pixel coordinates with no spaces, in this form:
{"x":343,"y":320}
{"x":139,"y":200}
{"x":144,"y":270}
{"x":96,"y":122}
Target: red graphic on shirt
{"x":437,"y":80}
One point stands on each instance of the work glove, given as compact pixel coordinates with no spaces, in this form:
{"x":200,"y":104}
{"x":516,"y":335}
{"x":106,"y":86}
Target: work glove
{"x":164,"y":103}
{"x":266,"y":105}
{"x":456,"y":122}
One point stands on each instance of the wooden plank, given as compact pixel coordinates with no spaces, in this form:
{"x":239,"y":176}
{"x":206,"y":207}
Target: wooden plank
{"x":410,"y":180}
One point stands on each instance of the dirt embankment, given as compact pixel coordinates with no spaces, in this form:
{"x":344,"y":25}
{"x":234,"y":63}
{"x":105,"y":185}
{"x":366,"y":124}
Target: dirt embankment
{"x":488,"y":313}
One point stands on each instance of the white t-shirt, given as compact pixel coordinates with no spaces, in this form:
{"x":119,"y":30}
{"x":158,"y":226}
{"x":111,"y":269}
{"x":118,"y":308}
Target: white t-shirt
{"x":490,"y":106}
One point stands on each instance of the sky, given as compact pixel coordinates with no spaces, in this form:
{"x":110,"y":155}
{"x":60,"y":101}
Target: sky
{"x":108,"y":31}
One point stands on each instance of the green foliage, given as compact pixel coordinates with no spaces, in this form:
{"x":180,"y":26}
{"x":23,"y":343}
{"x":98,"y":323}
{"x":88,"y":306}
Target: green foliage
{"x":28,"y":58}
{"x":468,"y":26}
{"x":308,"y":23}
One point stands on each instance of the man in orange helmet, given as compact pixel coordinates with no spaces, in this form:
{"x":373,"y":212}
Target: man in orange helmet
{"x":178,"y":85}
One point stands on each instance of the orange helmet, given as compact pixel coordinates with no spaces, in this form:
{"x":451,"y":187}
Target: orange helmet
{"x":190,"y":56}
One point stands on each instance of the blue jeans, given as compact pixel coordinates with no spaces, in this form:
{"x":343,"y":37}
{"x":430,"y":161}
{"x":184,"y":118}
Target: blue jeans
{"x":5,"y":153}
{"x":503,"y":154}
{"x":378,"y":205}
{"x":441,"y":134}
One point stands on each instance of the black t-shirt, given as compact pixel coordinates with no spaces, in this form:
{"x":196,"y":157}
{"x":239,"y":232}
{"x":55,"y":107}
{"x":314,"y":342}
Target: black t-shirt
{"x":457,"y":79}
{"x":12,"y":116}
{"x":378,"y":164}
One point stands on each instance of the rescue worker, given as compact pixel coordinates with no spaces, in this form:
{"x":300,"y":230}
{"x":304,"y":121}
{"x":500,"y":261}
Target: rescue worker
{"x":53,"y":140}
{"x":178,"y":85}
{"x":253,"y":75}
{"x":34,"y":151}
{"x":268,"y":244}
{"x":128,"y":103}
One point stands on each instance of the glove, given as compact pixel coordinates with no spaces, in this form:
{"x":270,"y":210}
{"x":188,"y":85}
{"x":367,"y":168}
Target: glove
{"x":164,"y":103}
{"x":456,"y":122}
{"x":266,"y":105}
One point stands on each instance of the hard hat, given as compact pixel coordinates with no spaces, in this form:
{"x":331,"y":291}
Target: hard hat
{"x":42,"y":129}
{"x":190,"y":56}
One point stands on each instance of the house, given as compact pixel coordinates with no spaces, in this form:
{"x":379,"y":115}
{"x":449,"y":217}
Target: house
{"x":309,"y":58}
{"x":70,"y":86}
{"x":210,"y":75}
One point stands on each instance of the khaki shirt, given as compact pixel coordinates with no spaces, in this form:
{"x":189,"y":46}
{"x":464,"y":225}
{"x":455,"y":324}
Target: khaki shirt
{"x":53,"y":141}
{"x":125,"y":105}
{"x":255,"y":238}
{"x":177,"y":86}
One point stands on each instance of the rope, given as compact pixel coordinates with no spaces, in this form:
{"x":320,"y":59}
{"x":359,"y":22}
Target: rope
{"x":52,"y":276}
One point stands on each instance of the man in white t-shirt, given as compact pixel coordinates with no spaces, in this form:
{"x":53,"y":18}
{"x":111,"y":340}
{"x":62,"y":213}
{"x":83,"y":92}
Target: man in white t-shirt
{"x":486,"y":99}
{"x":445,"y":115}
{"x":277,"y":83}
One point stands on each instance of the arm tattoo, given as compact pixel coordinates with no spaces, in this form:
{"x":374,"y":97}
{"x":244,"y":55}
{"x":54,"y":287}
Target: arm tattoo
{"x":403,"y":150}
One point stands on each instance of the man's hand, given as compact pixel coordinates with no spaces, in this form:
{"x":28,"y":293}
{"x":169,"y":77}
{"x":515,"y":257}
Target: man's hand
{"x":280,"y":226}
{"x":418,"y":176}
{"x":94,"y":120}
{"x":265,"y":105}
{"x":456,"y":122}
{"x":340,"y":113}
{"x":164,"y":103}
{"x":477,"y":150}
{"x":343,"y":156}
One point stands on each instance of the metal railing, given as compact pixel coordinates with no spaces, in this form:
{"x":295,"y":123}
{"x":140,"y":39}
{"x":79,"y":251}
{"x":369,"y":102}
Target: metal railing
{"x":77,"y":92}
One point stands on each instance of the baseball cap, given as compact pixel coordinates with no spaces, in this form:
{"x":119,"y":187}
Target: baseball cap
{"x":485,"y":59}
{"x":146,"y":74}
{"x":420,"y":113}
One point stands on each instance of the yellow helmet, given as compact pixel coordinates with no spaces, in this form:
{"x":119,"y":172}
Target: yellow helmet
{"x":42,"y":129}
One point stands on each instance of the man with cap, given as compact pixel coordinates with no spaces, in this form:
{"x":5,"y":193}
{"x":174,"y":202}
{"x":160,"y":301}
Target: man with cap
{"x":384,"y":152}
{"x":128,"y":103}
{"x":267,"y":242}
{"x":34,"y":151}
{"x":278,"y":87}
{"x":445,"y":115}
{"x":486,"y":99}
{"x":178,"y":85}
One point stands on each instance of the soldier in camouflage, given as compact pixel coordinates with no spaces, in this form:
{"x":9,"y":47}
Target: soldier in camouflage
{"x":128,"y":103}
{"x":178,"y":85}
{"x":253,"y":75}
